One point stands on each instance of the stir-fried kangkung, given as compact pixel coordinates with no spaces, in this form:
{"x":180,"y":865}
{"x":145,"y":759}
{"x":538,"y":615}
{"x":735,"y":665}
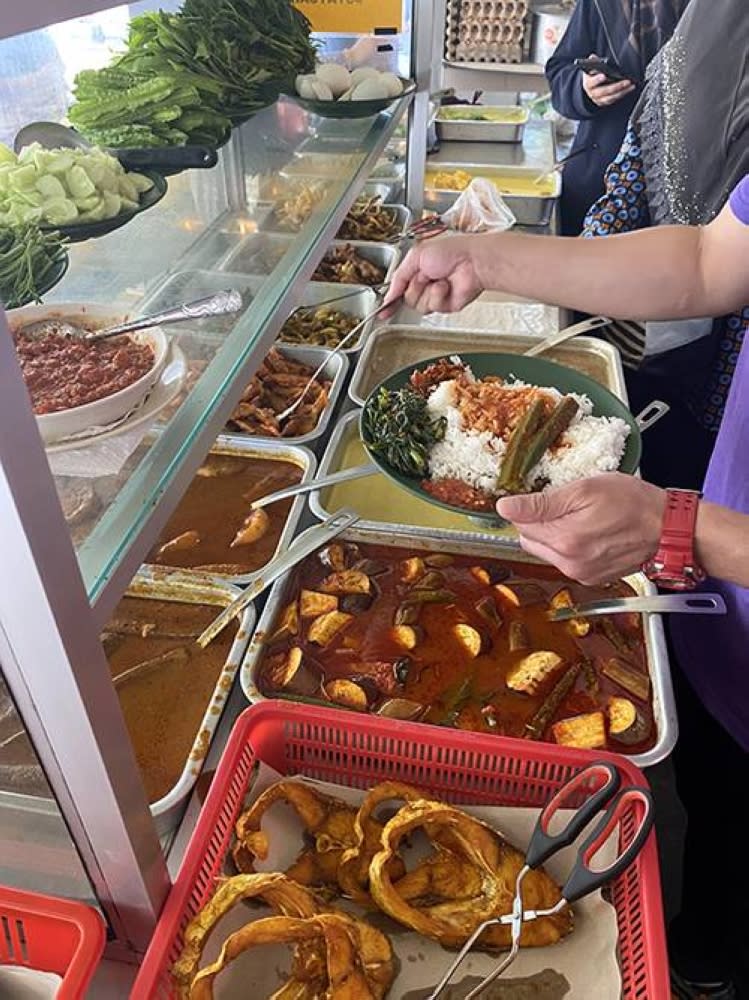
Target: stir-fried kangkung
{"x":276,"y":384}
{"x":462,"y":642}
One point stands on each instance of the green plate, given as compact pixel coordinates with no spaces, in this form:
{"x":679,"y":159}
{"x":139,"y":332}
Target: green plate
{"x":76,"y":232}
{"x":351,"y":109}
{"x":535,"y":371}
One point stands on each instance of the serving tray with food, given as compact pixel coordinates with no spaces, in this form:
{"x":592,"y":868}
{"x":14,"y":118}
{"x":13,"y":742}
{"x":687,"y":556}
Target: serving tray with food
{"x":79,"y":193}
{"x":150,"y":644}
{"x":214,"y":530}
{"x":79,"y":386}
{"x":283,"y":375}
{"x":371,"y":897}
{"x":457,"y":632}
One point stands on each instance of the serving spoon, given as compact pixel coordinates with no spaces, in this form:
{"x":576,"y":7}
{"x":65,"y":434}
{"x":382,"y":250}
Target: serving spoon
{"x":220,"y":304}
{"x":554,"y":339}
{"x":683,"y":604}
{"x":284,"y":414}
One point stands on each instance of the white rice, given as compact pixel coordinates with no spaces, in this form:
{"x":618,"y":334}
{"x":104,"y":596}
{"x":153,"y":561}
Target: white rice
{"x":590,"y":445}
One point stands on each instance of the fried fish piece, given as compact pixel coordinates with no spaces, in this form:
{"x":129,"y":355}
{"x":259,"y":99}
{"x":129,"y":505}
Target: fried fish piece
{"x":327,"y":821}
{"x":469,"y":878}
{"x":282,"y":894}
{"x":353,"y":870}
{"x":357,"y":961}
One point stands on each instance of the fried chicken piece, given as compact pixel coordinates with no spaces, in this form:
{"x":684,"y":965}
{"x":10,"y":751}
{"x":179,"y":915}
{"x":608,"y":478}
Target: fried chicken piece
{"x":470,"y":878}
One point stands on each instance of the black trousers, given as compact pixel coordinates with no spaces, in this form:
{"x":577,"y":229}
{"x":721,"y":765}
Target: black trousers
{"x":675,"y":451}
{"x":709,"y":939}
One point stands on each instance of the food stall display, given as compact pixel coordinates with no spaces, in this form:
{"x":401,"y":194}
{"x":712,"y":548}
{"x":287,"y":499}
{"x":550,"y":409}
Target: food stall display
{"x":162,"y":443}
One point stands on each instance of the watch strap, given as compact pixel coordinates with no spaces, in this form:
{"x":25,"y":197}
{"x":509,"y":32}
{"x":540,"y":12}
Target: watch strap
{"x":674,"y":564}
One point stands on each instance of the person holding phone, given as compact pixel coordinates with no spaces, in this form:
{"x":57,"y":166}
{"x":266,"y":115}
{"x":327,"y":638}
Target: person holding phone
{"x":596,"y":76}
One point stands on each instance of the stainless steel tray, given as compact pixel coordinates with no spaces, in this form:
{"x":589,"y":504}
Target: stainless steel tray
{"x":403,"y":216}
{"x":259,"y":254}
{"x":335,"y":370}
{"x":388,"y":191}
{"x":356,"y":300}
{"x":382,"y":254}
{"x":664,"y":709}
{"x":168,"y":810}
{"x":529,"y":210}
{"x":382,"y":504}
{"x":452,"y":130}
{"x":210,"y":248}
{"x":249,"y":447}
{"x":390,"y":348}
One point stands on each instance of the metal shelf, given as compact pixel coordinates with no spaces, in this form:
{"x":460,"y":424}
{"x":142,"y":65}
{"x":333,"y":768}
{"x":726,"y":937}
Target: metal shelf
{"x":494,"y":77}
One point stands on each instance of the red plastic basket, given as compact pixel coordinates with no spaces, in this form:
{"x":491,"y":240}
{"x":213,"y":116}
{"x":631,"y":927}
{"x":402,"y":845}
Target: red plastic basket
{"x":51,"y":935}
{"x":359,"y":750}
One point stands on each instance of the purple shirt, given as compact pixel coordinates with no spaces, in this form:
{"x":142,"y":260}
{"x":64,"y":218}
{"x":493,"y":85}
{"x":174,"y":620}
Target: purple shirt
{"x":714,"y":651}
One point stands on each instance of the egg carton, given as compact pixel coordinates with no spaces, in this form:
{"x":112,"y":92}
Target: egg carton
{"x":487,"y":31}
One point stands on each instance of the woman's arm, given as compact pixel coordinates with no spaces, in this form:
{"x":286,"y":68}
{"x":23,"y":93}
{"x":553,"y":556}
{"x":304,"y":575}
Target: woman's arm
{"x":672,"y":272}
{"x":604,"y":528}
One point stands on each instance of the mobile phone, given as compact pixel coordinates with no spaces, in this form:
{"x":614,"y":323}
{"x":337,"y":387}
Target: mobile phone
{"x":611,"y":71}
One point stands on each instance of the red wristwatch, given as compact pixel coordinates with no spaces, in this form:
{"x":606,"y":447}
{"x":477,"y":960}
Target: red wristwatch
{"x":674,"y":566}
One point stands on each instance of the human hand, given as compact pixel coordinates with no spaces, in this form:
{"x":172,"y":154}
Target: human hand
{"x":603,"y":93}
{"x":439,"y":275}
{"x":594,"y":530}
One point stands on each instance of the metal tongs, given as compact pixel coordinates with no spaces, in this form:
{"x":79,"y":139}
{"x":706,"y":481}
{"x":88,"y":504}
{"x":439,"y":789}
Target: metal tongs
{"x":684,"y":604}
{"x":258,"y":582}
{"x":598,"y":784}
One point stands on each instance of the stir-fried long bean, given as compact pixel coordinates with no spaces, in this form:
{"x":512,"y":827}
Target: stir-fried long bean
{"x":28,"y":260}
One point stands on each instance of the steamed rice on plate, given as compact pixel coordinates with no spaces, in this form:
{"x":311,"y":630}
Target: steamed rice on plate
{"x":479,"y":439}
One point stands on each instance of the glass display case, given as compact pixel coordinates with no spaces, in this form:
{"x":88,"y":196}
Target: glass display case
{"x":79,"y":515}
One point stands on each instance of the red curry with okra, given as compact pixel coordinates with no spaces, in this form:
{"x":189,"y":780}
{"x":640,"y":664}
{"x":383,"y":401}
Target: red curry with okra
{"x":462,"y":642}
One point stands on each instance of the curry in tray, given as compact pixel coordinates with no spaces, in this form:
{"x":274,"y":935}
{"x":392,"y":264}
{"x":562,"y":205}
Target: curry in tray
{"x":461,"y":642}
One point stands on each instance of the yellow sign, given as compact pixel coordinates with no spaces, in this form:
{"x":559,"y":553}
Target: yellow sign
{"x":352,"y":17}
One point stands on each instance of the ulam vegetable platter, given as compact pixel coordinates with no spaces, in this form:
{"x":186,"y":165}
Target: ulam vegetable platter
{"x":485,"y":557}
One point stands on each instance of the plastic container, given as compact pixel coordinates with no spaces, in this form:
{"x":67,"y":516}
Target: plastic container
{"x":357,"y":750}
{"x":51,"y":935}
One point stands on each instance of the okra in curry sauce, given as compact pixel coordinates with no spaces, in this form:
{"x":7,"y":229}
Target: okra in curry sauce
{"x":462,"y":642}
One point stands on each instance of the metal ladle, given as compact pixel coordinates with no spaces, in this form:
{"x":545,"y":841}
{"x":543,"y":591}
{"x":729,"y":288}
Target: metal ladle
{"x":220,"y":304}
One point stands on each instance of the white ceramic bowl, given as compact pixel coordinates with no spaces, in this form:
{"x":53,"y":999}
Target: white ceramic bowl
{"x":102,"y":412}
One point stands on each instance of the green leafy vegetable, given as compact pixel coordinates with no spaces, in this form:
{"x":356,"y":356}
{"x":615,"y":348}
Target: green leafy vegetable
{"x":186,"y":77}
{"x":56,"y":187}
{"x":29,"y":260}
{"x":397,"y":426}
